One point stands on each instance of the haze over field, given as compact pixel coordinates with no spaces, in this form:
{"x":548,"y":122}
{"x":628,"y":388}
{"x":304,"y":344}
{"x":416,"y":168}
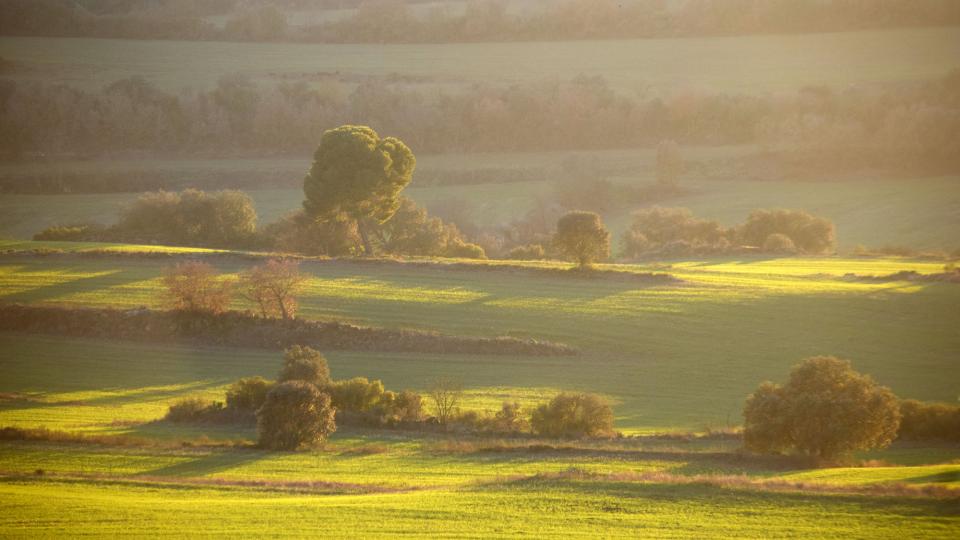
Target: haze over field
{"x":486,"y":268}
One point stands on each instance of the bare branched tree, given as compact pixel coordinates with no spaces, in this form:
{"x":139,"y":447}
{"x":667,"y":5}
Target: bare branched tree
{"x":273,"y":287}
{"x":446,"y":394}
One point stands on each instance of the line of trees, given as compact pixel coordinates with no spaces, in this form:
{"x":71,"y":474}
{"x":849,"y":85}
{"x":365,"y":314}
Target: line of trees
{"x":393,"y":21}
{"x":909,"y":127}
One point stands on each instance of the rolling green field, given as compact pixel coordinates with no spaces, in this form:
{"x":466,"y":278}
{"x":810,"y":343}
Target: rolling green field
{"x":670,"y":357}
{"x":744,"y":64}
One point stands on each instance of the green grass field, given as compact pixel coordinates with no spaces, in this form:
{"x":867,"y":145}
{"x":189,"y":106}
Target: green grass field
{"x":667,"y":66}
{"x":670,"y":357}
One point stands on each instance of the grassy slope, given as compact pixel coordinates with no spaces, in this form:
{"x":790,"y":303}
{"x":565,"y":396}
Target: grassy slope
{"x":777,"y":63}
{"x":540,"y":508}
{"x":670,"y":357}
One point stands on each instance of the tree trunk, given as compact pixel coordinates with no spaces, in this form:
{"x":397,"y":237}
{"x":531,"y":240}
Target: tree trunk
{"x":365,"y":237}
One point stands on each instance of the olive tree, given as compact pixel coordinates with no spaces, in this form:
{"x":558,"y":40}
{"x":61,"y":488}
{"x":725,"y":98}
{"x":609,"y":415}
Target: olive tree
{"x":582,"y":237}
{"x":295,"y":414}
{"x":357,"y":173}
{"x":825,"y":410}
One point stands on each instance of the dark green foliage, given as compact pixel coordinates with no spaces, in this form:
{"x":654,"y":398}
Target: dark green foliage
{"x":528,"y":252}
{"x":305,"y":364}
{"x":825,"y":410}
{"x":295,"y":414}
{"x":659,"y":229}
{"x":810,"y":234}
{"x":398,"y":408}
{"x":357,"y":173}
{"x":510,"y":419}
{"x":81,"y":232}
{"x":248,"y":394}
{"x":193,"y":410}
{"x":224,"y":219}
{"x":411,"y":231}
{"x":581,"y":236}
{"x":573,"y":415}
{"x":929,"y":421}
{"x":297,"y":232}
{"x":356,"y":395}
{"x":779,"y":243}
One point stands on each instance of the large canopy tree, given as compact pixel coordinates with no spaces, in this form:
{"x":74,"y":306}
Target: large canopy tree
{"x":357,"y":173}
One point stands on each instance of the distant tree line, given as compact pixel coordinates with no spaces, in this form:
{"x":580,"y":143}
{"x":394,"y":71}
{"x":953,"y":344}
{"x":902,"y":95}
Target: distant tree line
{"x":908,"y":127}
{"x":392,"y":21}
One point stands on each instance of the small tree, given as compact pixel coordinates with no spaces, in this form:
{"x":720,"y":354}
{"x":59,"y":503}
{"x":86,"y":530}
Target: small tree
{"x":825,"y":410}
{"x":294,"y":414}
{"x":194,"y":287}
{"x":446,"y":394}
{"x":305,"y":364}
{"x":583,"y":238}
{"x":273,"y":287}
{"x":573,"y":415}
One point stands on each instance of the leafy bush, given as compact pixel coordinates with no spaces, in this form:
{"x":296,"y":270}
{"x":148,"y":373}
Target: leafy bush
{"x":248,"y":394}
{"x":825,"y":410}
{"x":509,"y":419}
{"x":191,"y":218}
{"x":573,"y":415}
{"x":667,"y":229}
{"x":193,"y":410}
{"x":356,"y":395}
{"x":295,"y":414}
{"x":297,"y":232}
{"x":779,"y":243}
{"x":305,"y":364}
{"x":194,"y":287}
{"x":83,"y":232}
{"x":528,"y":252}
{"x":465,"y":250}
{"x":929,"y":421}
{"x":403,"y":407}
{"x":810,"y":234}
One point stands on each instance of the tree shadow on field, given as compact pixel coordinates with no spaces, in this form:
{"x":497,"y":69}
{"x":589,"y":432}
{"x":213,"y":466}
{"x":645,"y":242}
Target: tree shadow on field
{"x":944,"y":477}
{"x":208,"y":464}
{"x":76,"y":285}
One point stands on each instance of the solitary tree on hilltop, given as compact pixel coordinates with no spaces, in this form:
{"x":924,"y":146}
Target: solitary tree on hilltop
{"x":357,"y":173}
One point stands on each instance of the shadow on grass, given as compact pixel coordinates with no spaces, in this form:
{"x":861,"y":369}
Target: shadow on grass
{"x":209,"y":464}
{"x":944,"y":477}
{"x":113,"y":278}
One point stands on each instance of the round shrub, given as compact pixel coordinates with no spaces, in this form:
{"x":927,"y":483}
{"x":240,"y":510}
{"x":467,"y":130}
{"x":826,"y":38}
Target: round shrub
{"x":573,"y":415}
{"x":305,"y":364}
{"x":824,"y":411}
{"x":294,"y":414}
{"x":779,"y":243}
{"x":356,"y":394}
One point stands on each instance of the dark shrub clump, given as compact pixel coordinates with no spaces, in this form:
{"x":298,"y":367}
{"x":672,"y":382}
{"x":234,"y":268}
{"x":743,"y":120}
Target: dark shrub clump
{"x":573,"y":415}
